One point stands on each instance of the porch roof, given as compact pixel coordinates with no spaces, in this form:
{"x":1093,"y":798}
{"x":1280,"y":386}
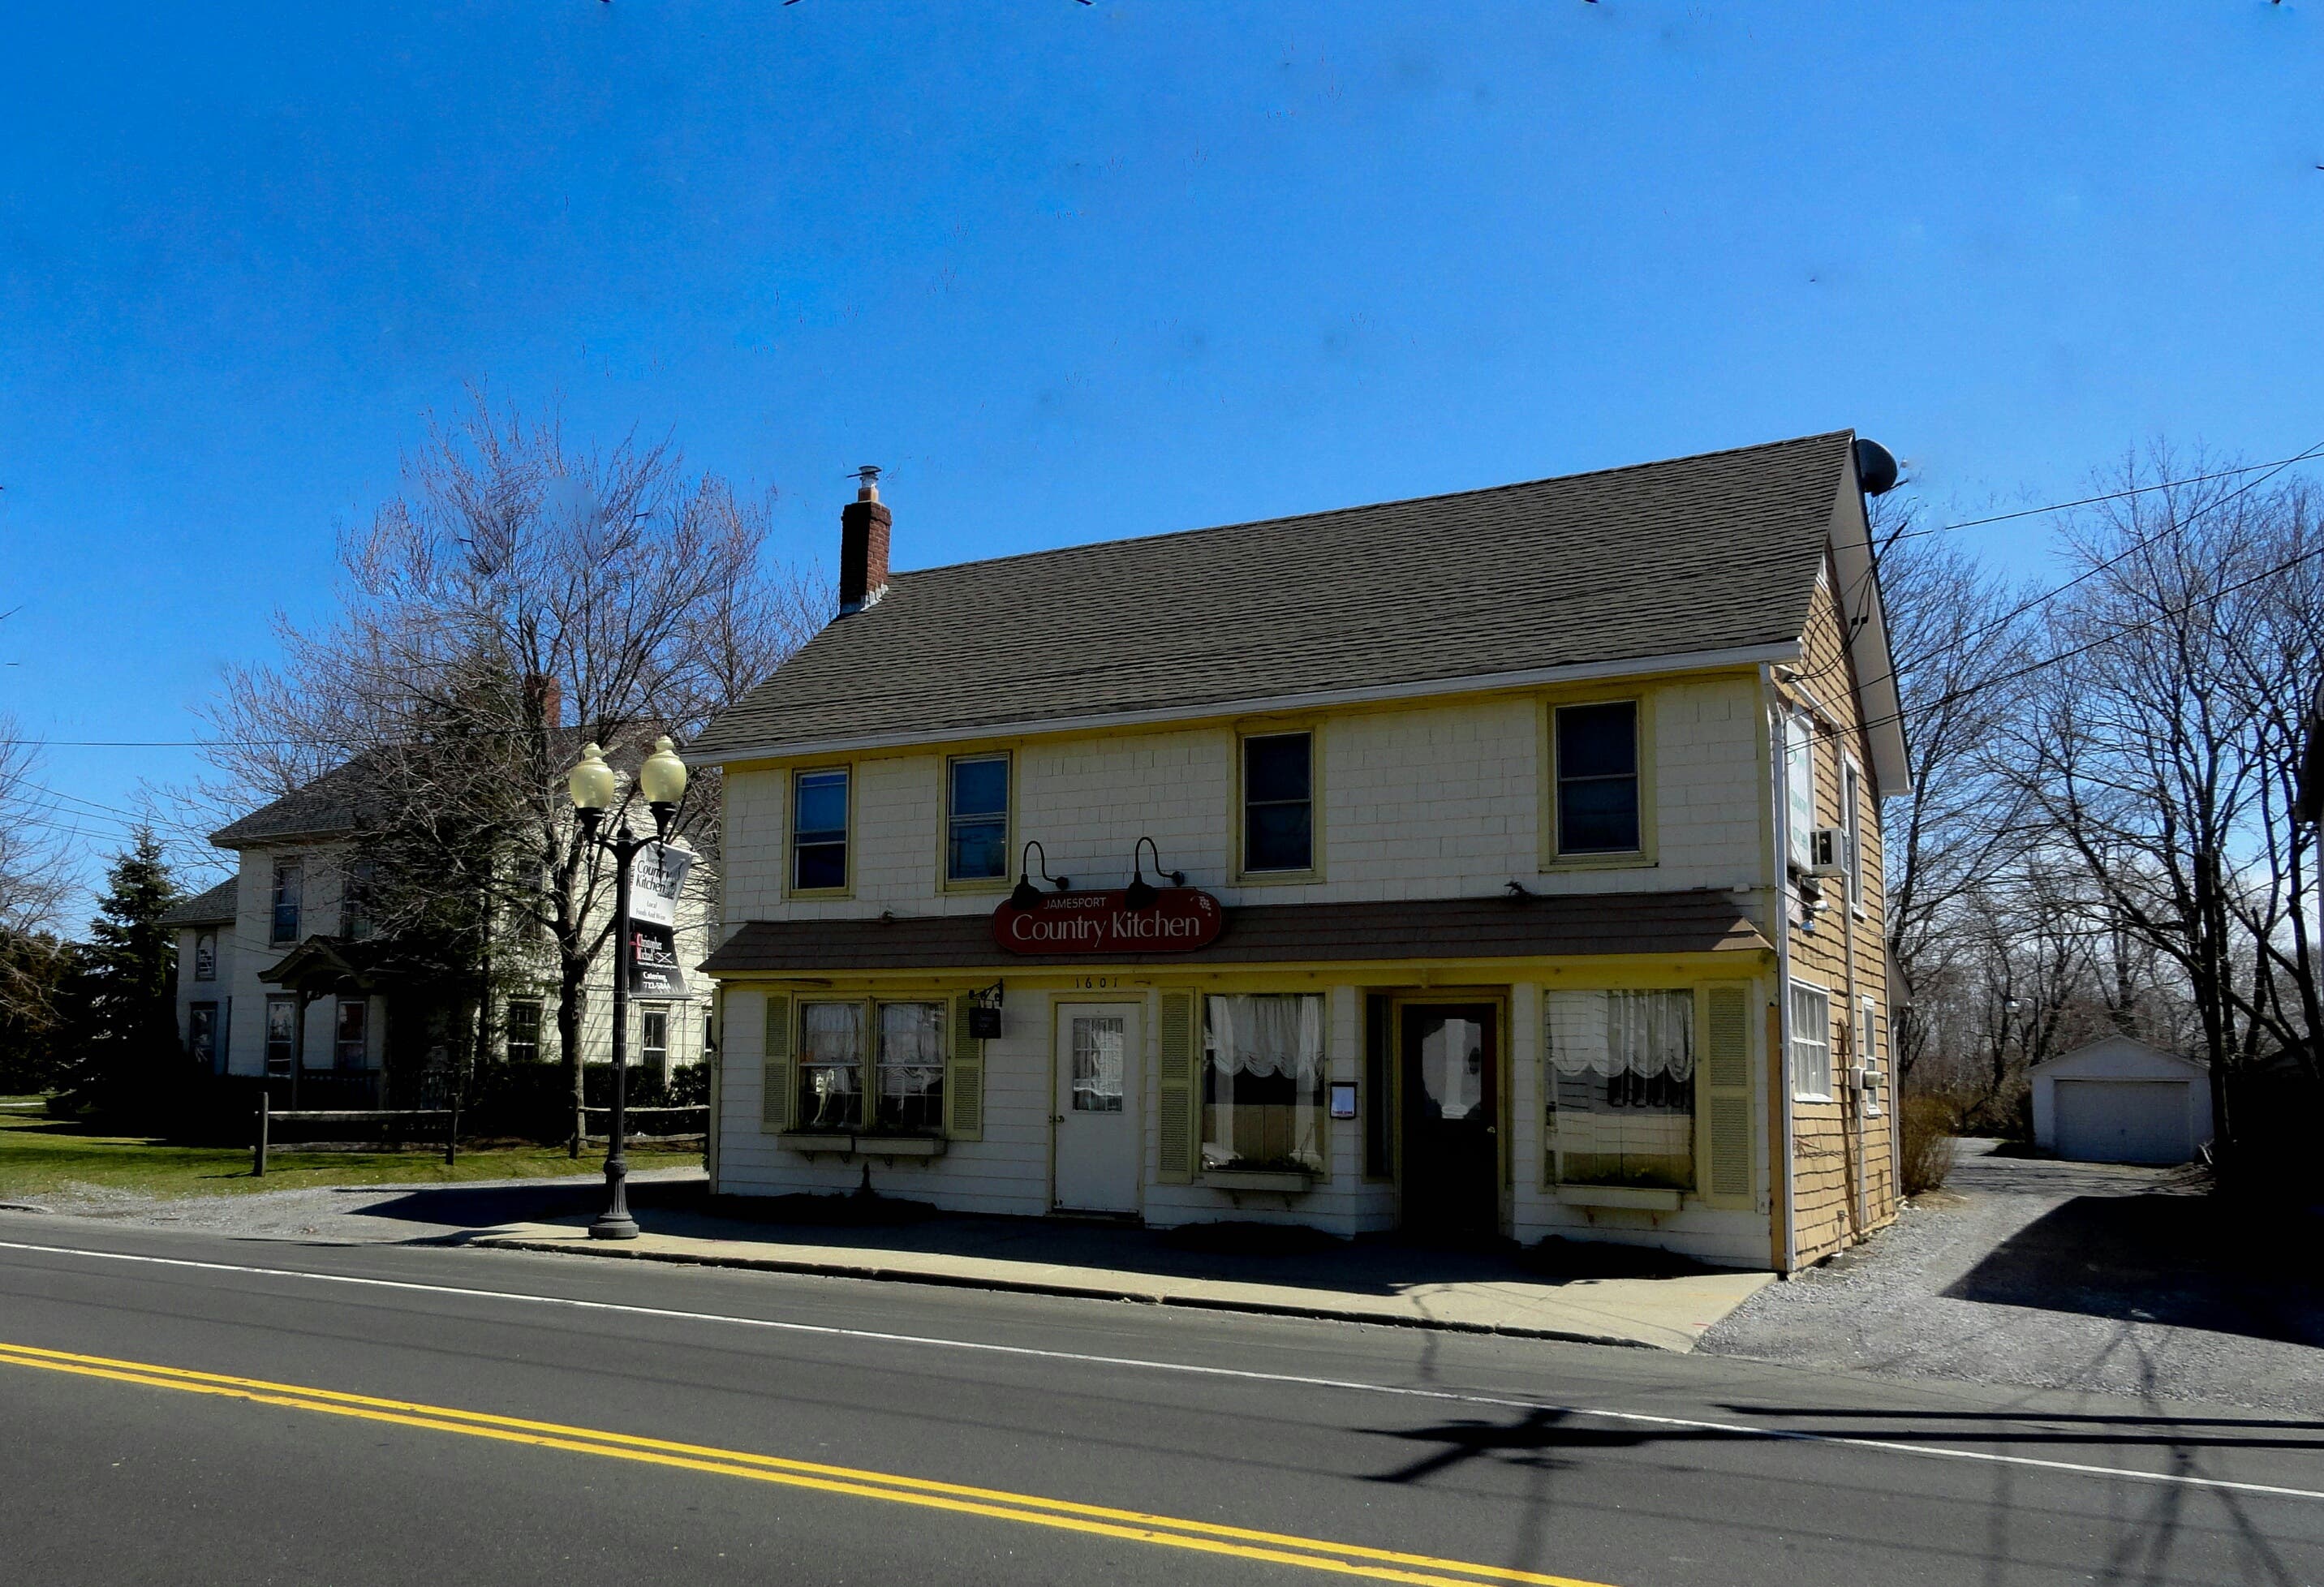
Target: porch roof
{"x":325,"y":963}
{"x":1536,"y":927}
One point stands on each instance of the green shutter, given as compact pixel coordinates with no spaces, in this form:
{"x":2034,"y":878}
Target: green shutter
{"x":964,"y":1079}
{"x":1176,"y":1121}
{"x":1727,"y":1095}
{"x":775,"y":1074}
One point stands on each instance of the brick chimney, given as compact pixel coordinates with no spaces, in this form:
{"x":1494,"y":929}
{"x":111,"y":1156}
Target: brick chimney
{"x":863,"y":546}
{"x":545,"y":699}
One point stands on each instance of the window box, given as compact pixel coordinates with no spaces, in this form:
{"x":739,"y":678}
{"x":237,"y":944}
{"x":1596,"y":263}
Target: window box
{"x":1287,"y":1181}
{"x":1641,"y":1197}
{"x":817,"y":1141}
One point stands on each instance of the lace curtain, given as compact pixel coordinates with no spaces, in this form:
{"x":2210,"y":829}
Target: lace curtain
{"x":1266,"y":1035}
{"x":911,"y":1047}
{"x":1609,"y":1033}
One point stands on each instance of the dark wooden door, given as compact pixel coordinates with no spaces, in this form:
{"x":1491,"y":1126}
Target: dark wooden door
{"x":1450,"y":1170}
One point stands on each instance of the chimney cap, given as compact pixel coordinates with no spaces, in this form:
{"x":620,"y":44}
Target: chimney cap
{"x":867,"y":483}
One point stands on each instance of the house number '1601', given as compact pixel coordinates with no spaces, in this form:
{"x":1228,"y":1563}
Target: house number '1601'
{"x":1096,"y":983}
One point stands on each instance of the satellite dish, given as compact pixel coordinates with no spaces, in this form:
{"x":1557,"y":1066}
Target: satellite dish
{"x":1875,"y":468}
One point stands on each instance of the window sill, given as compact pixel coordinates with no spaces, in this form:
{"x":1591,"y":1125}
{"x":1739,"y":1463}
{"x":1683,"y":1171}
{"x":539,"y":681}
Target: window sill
{"x":824,"y":1142}
{"x":1641,"y":1197}
{"x":1630,"y":862}
{"x":1290,"y":1182}
{"x":1278,"y":878}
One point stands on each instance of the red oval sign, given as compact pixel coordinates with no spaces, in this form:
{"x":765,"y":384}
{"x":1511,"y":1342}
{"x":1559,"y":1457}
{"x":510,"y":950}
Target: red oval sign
{"x":1180,"y":919}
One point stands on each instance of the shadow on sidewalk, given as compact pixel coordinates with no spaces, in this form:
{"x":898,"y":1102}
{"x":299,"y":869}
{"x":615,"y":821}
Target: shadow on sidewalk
{"x":1230,"y":1252}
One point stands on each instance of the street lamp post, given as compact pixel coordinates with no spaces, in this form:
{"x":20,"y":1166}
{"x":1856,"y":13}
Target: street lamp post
{"x":593,"y":785}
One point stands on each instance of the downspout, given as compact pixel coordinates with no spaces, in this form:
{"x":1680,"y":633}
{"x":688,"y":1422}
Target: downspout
{"x":1779,"y":1065}
{"x":1856,"y":1093}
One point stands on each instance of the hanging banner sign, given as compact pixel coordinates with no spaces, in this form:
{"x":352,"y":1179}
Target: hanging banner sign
{"x":657,"y":877}
{"x":1179,"y":920}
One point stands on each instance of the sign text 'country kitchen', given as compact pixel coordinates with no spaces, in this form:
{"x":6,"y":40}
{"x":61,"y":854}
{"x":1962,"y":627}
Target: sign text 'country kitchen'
{"x":1179,"y":920}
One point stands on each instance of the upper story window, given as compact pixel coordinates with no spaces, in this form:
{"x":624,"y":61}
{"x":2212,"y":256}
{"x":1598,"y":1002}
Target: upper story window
{"x":290,"y":888}
{"x":819,"y":830}
{"x":1598,"y":804}
{"x":1279,"y":802}
{"x":1799,"y":787}
{"x":360,"y":887}
{"x":976,"y":818}
{"x":205,"y":955}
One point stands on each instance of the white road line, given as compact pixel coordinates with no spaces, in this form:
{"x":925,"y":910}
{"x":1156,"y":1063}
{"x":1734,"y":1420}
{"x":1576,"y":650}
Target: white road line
{"x":1639,"y":1418}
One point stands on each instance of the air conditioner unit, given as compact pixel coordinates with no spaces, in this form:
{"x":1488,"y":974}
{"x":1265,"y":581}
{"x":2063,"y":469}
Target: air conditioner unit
{"x":1828,"y":852}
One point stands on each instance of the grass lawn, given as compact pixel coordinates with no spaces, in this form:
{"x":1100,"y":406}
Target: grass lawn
{"x":40,"y":1156}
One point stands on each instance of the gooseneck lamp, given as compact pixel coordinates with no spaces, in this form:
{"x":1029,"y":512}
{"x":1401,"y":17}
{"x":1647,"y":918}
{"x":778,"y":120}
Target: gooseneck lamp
{"x":1025,"y":895}
{"x":1142,"y":894}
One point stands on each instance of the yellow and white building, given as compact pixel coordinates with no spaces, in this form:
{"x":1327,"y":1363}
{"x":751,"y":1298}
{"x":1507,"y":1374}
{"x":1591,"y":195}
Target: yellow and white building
{"x":1528,"y":875}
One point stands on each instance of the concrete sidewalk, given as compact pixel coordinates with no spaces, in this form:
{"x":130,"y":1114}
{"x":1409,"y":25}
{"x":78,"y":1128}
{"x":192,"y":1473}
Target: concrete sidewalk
{"x":1469,"y":1292}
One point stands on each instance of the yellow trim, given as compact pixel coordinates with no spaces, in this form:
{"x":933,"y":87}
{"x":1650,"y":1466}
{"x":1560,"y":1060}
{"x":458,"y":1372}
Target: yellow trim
{"x":1646,"y":854}
{"x":1033,"y":1509}
{"x":845,"y":889}
{"x":945,"y":883}
{"x":872,"y":1002}
{"x":1432,"y":976}
{"x":1244,"y":732}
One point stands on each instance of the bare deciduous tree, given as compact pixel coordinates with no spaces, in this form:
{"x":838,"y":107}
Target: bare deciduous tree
{"x":522,"y":595}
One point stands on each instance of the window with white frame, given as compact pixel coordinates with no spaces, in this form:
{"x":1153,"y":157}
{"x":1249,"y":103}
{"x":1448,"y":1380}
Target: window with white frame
{"x":1811,"y":1043}
{"x":1263,"y":1082}
{"x":1620,"y":1109}
{"x":1799,"y":787}
{"x":654,"y":1039}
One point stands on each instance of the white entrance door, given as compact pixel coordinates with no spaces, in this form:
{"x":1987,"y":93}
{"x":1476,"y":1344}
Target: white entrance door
{"x":1097,"y":1107}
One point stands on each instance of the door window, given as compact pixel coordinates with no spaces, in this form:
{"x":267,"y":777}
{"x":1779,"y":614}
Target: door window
{"x":349,"y":1049}
{"x":281,"y":1034}
{"x":201,"y":1035}
{"x":1097,"y":1081}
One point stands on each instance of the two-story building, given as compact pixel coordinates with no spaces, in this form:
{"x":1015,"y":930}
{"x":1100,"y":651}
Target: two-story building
{"x":281,"y":973}
{"x":1500,"y":864}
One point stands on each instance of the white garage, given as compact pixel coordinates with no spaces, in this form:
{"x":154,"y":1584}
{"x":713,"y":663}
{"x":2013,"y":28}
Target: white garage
{"x":2121,"y":1100}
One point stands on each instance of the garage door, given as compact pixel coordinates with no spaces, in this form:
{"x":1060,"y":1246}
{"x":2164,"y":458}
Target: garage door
{"x":2123,"y":1121}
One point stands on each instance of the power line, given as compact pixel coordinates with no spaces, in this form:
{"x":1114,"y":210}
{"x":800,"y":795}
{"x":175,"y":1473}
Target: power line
{"x":1910,"y":534}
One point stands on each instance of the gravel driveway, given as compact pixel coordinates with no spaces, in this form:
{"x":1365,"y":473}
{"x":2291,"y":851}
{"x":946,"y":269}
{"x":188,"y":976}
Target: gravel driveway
{"x":2117,"y":1279}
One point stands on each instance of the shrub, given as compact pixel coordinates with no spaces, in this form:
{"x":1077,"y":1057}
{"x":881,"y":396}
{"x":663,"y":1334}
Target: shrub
{"x":1929,"y":1143}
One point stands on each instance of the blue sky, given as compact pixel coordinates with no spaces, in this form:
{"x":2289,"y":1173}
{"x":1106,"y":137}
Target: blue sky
{"x":1078,"y":271}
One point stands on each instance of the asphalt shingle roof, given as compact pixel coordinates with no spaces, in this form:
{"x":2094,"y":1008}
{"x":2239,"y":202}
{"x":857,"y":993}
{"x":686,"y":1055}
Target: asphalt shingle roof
{"x":1700,"y":553}
{"x":327,"y":807}
{"x":211,"y":906}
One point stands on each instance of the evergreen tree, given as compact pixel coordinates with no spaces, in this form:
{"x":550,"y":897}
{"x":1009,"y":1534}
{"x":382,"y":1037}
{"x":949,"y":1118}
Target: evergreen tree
{"x":121,"y":1018}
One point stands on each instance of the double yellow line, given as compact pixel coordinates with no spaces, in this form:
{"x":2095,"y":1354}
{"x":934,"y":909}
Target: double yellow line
{"x":1347,"y":1559}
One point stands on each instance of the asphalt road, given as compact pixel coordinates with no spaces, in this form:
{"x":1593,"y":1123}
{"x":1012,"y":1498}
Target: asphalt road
{"x":251,"y":1411}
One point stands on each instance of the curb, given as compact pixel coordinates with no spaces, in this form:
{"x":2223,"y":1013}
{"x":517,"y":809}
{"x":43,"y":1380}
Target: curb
{"x":1071,"y":1291}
